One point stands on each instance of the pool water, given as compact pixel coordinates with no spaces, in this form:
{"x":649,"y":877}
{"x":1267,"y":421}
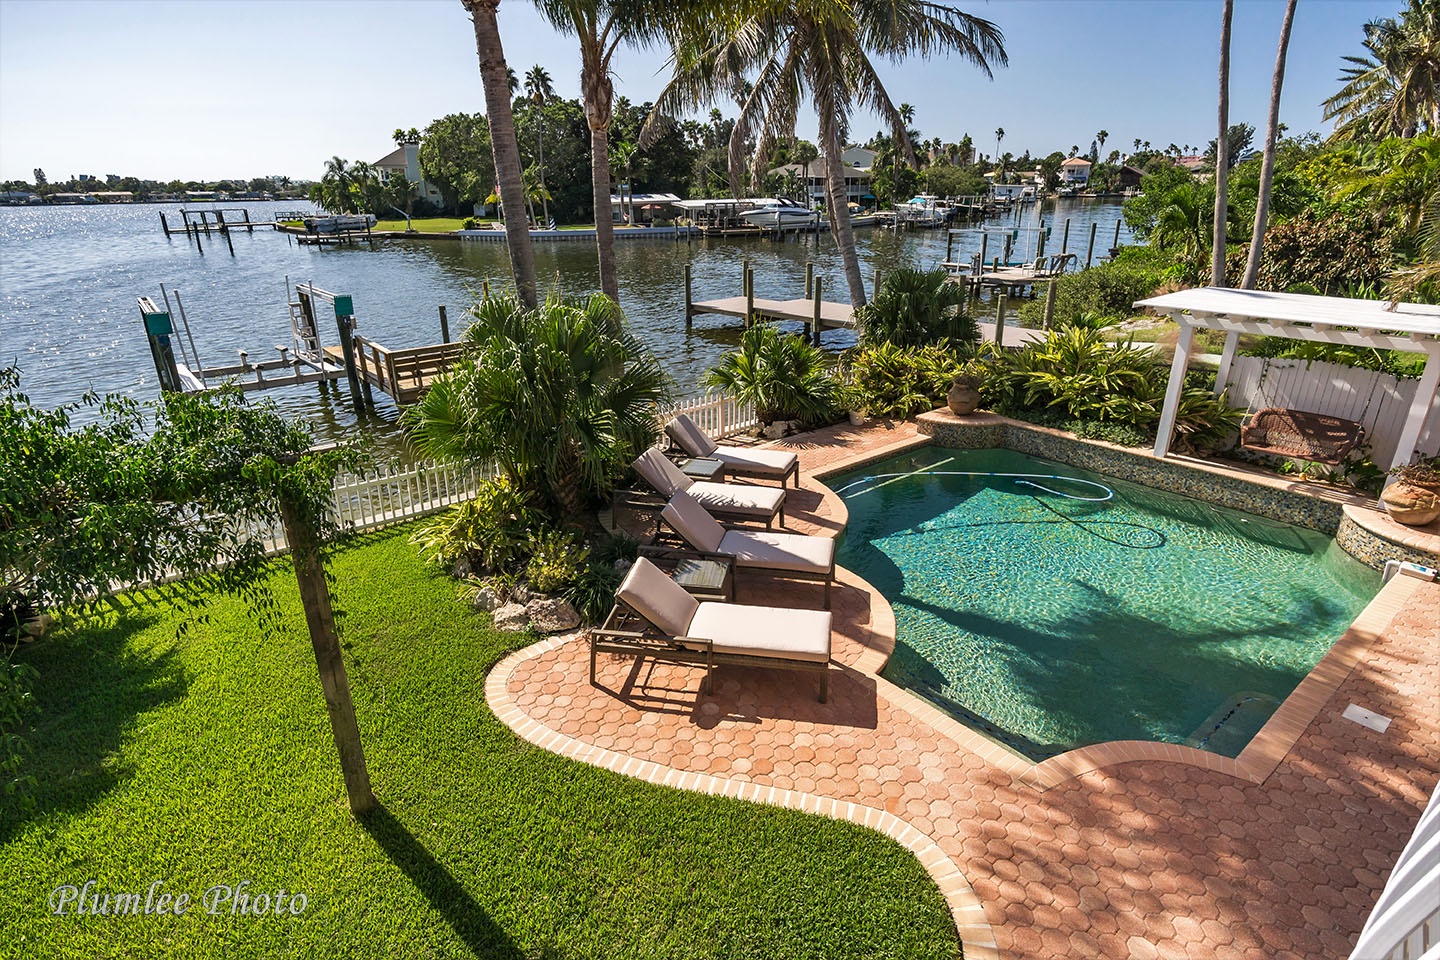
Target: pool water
{"x":1052,"y":622}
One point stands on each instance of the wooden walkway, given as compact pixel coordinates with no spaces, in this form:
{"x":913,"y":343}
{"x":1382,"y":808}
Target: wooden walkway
{"x":403,"y":374}
{"x":832,"y":316}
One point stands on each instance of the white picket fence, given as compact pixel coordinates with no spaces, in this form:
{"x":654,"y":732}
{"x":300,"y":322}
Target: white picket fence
{"x":716,"y":416}
{"x":1379,"y":401}
{"x":403,"y":492}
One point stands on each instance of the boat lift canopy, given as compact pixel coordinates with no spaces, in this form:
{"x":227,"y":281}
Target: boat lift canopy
{"x":1413,"y":327}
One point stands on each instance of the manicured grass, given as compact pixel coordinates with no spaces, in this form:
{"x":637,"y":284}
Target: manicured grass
{"x":428,"y":224}
{"x":207,"y":759}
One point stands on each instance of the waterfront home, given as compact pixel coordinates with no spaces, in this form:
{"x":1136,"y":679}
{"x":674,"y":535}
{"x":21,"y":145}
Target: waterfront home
{"x":1075,"y":172}
{"x":406,"y":159}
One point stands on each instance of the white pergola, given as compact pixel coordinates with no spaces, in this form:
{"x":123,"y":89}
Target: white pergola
{"x":1414,"y":327}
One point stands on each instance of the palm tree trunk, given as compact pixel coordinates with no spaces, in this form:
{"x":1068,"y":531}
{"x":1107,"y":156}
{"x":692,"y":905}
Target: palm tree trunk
{"x":503,"y":144}
{"x":1222,"y":153}
{"x":540,"y":146}
{"x":1267,"y":164}
{"x":839,"y":210}
{"x":604,"y":223}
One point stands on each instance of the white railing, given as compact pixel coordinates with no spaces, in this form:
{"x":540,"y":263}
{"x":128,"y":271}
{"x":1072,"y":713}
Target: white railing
{"x":1379,"y":401}
{"x":717,"y":417}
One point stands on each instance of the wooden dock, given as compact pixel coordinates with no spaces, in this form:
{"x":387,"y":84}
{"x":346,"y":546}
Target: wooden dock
{"x":403,"y":374}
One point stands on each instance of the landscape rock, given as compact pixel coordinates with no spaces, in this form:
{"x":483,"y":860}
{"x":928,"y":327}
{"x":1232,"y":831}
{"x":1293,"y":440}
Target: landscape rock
{"x":778,"y":429}
{"x":462,"y":569}
{"x":511,"y":618}
{"x":552,"y":616}
{"x":487,"y":598}
{"x":522,"y":593}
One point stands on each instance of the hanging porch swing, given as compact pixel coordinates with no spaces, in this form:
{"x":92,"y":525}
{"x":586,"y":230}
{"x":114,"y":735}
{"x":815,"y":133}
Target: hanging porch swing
{"x":1300,"y":434}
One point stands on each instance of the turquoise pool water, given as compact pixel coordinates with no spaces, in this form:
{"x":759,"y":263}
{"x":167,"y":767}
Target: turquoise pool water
{"x":1053,"y":622}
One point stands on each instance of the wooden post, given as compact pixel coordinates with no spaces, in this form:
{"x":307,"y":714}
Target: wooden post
{"x":815,"y":320}
{"x":444,"y":325}
{"x":689,"y":309}
{"x":1040,"y":243}
{"x":1115,"y":245}
{"x":485,"y":289}
{"x":158,"y":328}
{"x":744,"y":275}
{"x":345,"y":321}
{"x":1065,"y":237}
{"x":185,"y":218}
{"x":877,"y":284}
{"x":320,"y":618}
{"x":949,"y":244}
{"x":1000,"y":318}
{"x":749,"y":285}
{"x":225,"y":232}
{"x":984,"y":248}
{"x":1049,"y":303}
{"x":809,"y":279}
{"x":163,"y":225}
{"x":1091,"y":252}
{"x":249,"y":225}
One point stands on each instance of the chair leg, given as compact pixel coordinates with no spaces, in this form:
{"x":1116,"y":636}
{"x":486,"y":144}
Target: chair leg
{"x":827,"y":592}
{"x":592,"y":663}
{"x":825,"y":685}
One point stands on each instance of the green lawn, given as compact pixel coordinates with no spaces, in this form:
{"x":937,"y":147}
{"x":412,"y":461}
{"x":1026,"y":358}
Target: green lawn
{"x":207,"y":759}
{"x":428,"y":224}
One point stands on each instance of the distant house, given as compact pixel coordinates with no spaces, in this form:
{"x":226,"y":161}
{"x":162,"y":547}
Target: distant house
{"x":406,"y":159}
{"x":1075,"y":171}
{"x":860,"y":158}
{"x":812,"y":175}
{"x":1193,"y":162}
{"x":645,"y":205}
{"x":1130,"y":177}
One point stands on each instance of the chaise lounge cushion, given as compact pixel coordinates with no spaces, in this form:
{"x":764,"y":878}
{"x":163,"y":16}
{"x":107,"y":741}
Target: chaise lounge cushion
{"x":657,"y":598}
{"x":750,"y":548}
{"x":764,"y":631}
{"x":731,"y":499}
{"x":779,"y":551}
{"x":740,"y":460}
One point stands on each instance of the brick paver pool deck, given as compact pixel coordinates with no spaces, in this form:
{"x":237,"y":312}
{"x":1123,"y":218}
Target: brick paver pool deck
{"x":1120,"y":850}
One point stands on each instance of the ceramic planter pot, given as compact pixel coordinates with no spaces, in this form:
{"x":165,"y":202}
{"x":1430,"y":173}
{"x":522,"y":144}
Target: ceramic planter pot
{"x":1410,"y":504}
{"x":964,"y":396}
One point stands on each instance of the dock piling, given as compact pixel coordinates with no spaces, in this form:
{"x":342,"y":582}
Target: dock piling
{"x":1091,"y":252}
{"x":810,"y":280}
{"x":1116,"y":244}
{"x":689,"y":300}
{"x":1000,"y":318}
{"x":815,"y":318}
{"x":345,"y":322}
{"x":1049,"y":303}
{"x":444,"y":325}
{"x":163,"y":225}
{"x":1065,"y":237}
{"x":749,"y":285}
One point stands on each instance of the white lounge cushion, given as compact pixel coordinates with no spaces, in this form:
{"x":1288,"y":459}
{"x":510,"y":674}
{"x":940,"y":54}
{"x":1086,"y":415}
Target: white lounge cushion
{"x":693,"y":522}
{"x":757,"y":463}
{"x":764,"y":631}
{"x":657,"y":598}
{"x":660,"y":473}
{"x":689,"y":437}
{"x":778,"y":551}
{"x":762,"y":502}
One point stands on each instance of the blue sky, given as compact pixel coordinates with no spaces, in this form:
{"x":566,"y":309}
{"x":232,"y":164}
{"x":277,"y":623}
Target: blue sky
{"x":207,"y":89}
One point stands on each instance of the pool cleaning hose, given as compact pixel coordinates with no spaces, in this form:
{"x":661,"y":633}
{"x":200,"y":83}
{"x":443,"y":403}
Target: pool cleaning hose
{"x":1023,"y":479}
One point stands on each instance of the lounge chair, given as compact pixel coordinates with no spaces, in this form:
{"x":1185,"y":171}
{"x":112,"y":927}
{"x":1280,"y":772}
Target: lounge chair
{"x":788,"y":555}
{"x":739,"y":461}
{"x":653,"y":616}
{"x":733,"y":501}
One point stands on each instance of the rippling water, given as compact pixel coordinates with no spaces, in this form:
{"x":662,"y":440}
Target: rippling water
{"x":69,"y":278}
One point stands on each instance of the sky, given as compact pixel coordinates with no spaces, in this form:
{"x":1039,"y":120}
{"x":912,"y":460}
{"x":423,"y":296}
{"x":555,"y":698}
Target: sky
{"x":224,"y":89}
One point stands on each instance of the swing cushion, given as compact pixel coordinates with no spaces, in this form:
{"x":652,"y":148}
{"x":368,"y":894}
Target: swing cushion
{"x":1305,"y":436}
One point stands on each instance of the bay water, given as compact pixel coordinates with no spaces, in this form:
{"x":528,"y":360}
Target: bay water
{"x":70,"y":276}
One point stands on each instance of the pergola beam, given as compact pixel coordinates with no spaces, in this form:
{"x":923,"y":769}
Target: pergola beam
{"x":1177,"y":383}
{"x":1319,"y":333}
{"x":1419,"y":407}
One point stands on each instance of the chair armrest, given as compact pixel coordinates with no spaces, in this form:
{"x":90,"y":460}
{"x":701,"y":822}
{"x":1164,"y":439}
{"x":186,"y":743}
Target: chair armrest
{"x":684,"y":553}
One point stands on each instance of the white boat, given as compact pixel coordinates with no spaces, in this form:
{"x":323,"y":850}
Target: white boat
{"x":780,"y":212}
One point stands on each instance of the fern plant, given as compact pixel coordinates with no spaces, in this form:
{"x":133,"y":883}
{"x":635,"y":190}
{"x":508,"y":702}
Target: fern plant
{"x":783,"y":376}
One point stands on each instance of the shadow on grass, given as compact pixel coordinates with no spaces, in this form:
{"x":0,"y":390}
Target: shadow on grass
{"x":469,"y":920}
{"x":92,"y":685}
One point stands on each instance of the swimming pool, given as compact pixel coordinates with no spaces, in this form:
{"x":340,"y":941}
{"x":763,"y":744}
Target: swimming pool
{"x":1055,"y":607}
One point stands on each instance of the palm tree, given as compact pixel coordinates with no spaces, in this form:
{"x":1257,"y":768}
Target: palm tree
{"x":561,"y":398}
{"x":1222,"y":152}
{"x":999,"y":135}
{"x":1101,"y":137}
{"x":602,"y":26}
{"x":1181,"y":222}
{"x":824,"y":50}
{"x":540,"y":90}
{"x":1397,"y":93}
{"x":1267,"y":164}
{"x":494,"y":77}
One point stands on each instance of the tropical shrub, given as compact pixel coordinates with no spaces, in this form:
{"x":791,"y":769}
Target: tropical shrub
{"x":491,"y":531}
{"x":556,"y":557}
{"x":915,"y":308}
{"x":785,"y":377}
{"x":892,"y":381}
{"x":592,"y":592}
{"x":1332,"y":252}
{"x":561,"y":398}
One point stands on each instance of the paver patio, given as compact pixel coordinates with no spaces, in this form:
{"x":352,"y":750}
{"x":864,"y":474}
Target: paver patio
{"x":1146,"y":853}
